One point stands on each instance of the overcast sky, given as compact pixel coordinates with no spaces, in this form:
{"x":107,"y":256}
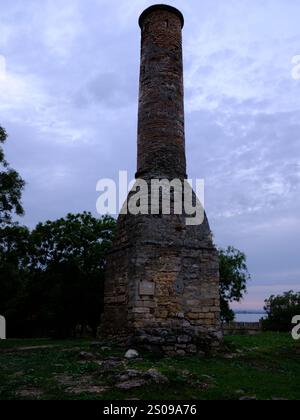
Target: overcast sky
{"x":68,"y":99}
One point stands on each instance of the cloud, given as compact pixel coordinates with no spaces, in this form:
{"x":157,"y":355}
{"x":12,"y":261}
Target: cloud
{"x":69,"y":102}
{"x":110,"y":89}
{"x":63,"y":28}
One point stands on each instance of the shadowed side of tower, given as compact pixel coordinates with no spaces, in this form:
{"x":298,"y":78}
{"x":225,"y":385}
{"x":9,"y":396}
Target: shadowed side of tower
{"x":162,"y":280}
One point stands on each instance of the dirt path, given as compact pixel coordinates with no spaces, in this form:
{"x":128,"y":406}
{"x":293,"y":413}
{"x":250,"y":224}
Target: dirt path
{"x":29,"y":348}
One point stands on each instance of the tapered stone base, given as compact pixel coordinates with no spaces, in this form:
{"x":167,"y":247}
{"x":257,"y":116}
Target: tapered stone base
{"x":162,"y":285}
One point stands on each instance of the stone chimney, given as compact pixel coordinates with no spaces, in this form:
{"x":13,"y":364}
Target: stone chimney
{"x":161,"y":144}
{"x":162,"y":279}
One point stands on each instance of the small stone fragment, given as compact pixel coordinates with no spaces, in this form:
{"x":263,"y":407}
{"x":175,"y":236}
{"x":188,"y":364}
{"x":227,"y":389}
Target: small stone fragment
{"x":131,"y":354}
{"x":131,"y":384}
{"x":157,"y":377}
{"x":86,"y":356}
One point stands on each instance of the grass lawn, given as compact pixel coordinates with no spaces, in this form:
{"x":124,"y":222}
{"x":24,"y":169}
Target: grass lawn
{"x":266,"y":366}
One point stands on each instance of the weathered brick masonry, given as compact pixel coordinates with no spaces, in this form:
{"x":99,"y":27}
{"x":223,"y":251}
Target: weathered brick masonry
{"x":162,"y":283}
{"x":161,"y":148}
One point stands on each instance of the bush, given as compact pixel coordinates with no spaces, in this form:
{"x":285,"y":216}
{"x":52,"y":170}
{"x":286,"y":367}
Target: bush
{"x":280,"y":310}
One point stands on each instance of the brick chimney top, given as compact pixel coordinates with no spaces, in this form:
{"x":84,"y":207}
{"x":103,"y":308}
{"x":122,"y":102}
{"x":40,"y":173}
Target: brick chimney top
{"x":161,"y":7}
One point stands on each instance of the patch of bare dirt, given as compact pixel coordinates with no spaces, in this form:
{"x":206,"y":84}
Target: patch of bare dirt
{"x":91,"y":389}
{"x":29,"y":348}
{"x":79,"y":384}
{"x":30,"y":393}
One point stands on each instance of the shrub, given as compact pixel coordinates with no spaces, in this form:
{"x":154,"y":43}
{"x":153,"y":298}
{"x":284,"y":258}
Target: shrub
{"x":280,"y":310}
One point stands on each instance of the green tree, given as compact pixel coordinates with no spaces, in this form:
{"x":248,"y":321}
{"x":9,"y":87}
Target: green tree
{"x":52,"y":279}
{"x":11,"y":187}
{"x":233,"y":279}
{"x":280,"y":310}
{"x":67,"y":263}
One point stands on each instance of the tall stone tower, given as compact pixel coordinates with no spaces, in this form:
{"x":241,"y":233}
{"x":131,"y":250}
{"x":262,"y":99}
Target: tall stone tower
{"x":162,"y":282}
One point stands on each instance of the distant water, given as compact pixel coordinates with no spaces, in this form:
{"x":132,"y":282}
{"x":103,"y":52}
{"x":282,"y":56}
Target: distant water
{"x":253,"y":317}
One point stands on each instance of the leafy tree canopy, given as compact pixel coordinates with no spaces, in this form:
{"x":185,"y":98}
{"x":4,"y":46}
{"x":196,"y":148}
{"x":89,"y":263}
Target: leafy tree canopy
{"x":11,"y":187}
{"x":280,"y":310}
{"x":234,"y":276}
{"x":56,"y":273}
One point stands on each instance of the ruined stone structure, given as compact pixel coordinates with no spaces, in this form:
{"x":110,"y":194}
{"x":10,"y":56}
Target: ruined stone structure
{"x":162,"y":283}
{"x":242,"y":328}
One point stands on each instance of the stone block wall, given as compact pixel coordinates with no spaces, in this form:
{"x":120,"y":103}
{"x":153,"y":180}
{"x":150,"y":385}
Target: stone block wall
{"x":162,"y":284}
{"x":242,"y":328}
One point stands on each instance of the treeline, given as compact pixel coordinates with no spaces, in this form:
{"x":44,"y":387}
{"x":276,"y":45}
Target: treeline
{"x":52,"y":278}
